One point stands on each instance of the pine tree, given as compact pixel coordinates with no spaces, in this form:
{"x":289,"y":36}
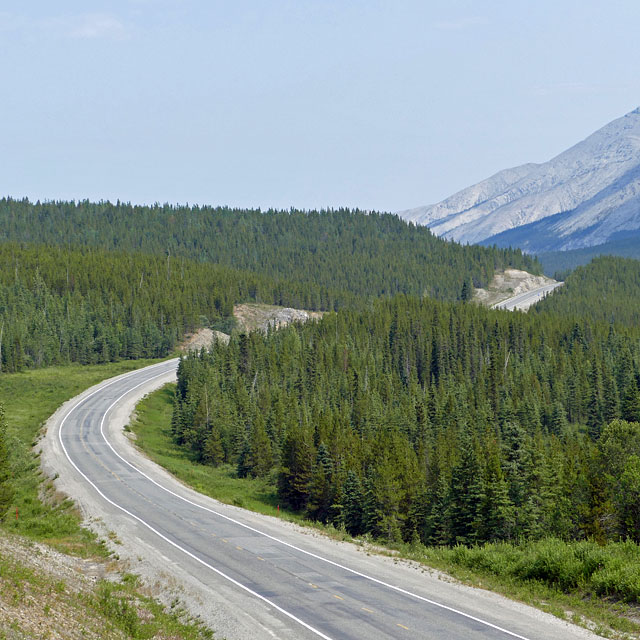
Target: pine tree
{"x":595,"y":413}
{"x":260,"y":457}
{"x":631,"y":403}
{"x":558,"y":422}
{"x":611,"y":409}
{"x":499,"y":517}
{"x":243,"y":466}
{"x":534,"y":514}
{"x":177,"y":421}
{"x":630,"y":498}
{"x":439,"y":519}
{"x":294,"y":480}
{"x":371,"y":508}
{"x":352,"y":504}
{"x":322,"y":491}
{"x":467,"y":494}
{"x":467,"y":290}
{"x":213,"y":451}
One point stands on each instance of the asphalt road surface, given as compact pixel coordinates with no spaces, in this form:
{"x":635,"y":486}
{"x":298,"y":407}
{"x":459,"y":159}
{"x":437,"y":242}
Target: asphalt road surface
{"x":275,"y":580}
{"x":524,"y":300}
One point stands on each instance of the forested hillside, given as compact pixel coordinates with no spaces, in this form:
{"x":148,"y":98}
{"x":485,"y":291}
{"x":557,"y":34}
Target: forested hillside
{"x":90,"y":305}
{"x":627,"y":245}
{"x":606,"y":290}
{"x":342,"y":251}
{"x":404,"y":417}
{"x":428,"y":421}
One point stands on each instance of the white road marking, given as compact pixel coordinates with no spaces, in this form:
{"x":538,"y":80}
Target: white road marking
{"x":171,"y":542}
{"x":250,"y":528}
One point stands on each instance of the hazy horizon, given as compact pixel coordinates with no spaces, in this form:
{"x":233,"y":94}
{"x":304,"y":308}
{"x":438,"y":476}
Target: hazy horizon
{"x":376,"y":105}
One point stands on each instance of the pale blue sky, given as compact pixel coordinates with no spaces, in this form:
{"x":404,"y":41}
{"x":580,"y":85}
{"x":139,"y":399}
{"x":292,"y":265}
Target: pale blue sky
{"x":378,"y":104}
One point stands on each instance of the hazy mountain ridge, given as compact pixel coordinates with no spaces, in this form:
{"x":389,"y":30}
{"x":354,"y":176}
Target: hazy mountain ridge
{"x":612,"y":212}
{"x":626,"y":245}
{"x":466,"y":199}
{"x":578,"y":199}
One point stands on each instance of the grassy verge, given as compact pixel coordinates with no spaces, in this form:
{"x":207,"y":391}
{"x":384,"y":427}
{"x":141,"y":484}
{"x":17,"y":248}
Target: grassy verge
{"x":29,"y":398}
{"x":124,"y":606}
{"x":581,"y":582}
{"x":596,"y":587}
{"x":152,"y":428}
{"x":45,"y":597}
{"x":105,"y":610}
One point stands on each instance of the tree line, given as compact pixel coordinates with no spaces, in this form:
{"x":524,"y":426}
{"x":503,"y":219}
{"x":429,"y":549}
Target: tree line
{"x":421,"y":420}
{"x":560,"y":263}
{"x":341,"y":251}
{"x":605,"y":290}
{"x":89,"y":305}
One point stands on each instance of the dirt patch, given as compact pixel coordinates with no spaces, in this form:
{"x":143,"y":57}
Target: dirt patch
{"x":509,"y":283}
{"x":43,"y":590}
{"x":262,"y":316}
{"x":202,"y":338}
{"x":249,"y":317}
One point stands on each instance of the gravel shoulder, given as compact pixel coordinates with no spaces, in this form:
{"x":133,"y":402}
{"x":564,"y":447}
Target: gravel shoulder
{"x":43,"y":589}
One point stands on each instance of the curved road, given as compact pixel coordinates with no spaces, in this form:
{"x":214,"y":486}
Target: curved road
{"x":282,"y":581}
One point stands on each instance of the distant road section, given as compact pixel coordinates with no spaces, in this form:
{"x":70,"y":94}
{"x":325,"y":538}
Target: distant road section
{"x":523,"y":301}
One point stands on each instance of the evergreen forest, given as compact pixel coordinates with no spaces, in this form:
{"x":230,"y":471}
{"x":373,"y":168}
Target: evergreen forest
{"x":431,"y":421}
{"x":89,"y":283}
{"x":347,"y":253}
{"x":559,"y":263}
{"x":89,"y":305}
{"x":407,"y":413}
{"x":607,"y":290}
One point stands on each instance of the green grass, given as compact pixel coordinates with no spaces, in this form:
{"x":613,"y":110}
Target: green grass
{"x":582,"y":582}
{"x":110,"y":609}
{"x":29,"y":398}
{"x":140,"y":617}
{"x":152,"y":428}
{"x":577,"y":581}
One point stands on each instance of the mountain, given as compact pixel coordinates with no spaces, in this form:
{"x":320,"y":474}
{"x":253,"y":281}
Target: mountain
{"x":583,"y":197}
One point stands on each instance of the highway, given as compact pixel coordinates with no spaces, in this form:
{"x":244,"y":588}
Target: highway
{"x":523,"y":301}
{"x":272,"y":579}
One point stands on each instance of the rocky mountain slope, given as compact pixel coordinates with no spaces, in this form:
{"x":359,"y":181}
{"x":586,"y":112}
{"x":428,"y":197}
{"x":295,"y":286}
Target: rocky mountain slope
{"x":583,"y":197}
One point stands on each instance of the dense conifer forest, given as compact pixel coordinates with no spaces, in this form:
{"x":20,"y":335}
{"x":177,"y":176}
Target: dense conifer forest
{"x":89,"y":305}
{"x":365,"y":255}
{"x":606,"y":290}
{"x":401,"y":414}
{"x":87,"y":283}
{"x":418,"y":420}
